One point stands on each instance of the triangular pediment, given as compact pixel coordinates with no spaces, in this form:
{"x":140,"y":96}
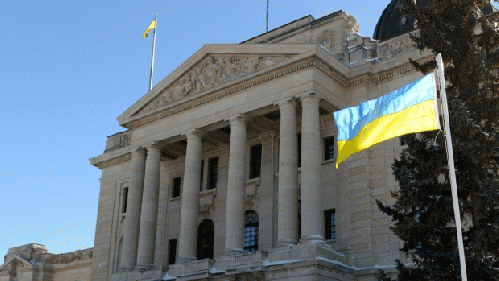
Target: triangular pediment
{"x":211,"y":68}
{"x":12,"y":264}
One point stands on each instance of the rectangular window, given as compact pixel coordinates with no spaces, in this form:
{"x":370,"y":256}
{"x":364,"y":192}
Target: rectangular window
{"x":299,"y":150}
{"x":177,"y":182}
{"x":202,"y":172}
{"x":330,"y":224}
{"x":125,"y":200}
{"x":213,"y":173}
{"x":255,"y":161}
{"x":329,"y":148}
{"x":172,"y":251}
{"x":299,"y":219}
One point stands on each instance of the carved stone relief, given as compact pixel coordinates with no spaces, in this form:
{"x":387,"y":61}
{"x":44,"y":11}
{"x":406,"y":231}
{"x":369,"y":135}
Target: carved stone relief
{"x":327,"y":40}
{"x":214,"y":70}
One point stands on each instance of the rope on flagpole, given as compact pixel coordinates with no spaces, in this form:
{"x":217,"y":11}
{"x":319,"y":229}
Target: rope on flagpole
{"x":452,"y":171}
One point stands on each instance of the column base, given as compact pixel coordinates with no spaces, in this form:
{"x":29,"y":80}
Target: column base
{"x":145,"y":267}
{"x":125,"y":269}
{"x":286,"y":242}
{"x":234,"y":252}
{"x":185,"y":259}
{"x":313,"y":239}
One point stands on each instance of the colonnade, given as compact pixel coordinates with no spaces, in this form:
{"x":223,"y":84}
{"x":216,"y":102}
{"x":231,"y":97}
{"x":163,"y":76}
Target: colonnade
{"x":140,"y":225}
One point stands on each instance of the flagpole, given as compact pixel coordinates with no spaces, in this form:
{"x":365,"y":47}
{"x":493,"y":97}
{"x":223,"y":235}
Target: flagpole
{"x":153,"y":51}
{"x":452,"y":172}
{"x":267,"y":24}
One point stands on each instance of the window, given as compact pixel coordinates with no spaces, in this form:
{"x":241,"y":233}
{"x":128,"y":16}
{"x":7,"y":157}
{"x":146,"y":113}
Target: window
{"x":202,"y":172}
{"x":299,"y":150}
{"x":206,"y":235}
{"x":299,"y":219}
{"x":213,"y":173}
{"x":177,"y":182}
{"x":172,"y":251}
{"x":329,"y":148}
{"x":255,"y":161}
{"x":330,"y":221}
{"x":251,"y":231}
{"x":125,"y":200}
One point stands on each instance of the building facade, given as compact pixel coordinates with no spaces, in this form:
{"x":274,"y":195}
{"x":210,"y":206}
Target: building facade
{"x":226,"y":170}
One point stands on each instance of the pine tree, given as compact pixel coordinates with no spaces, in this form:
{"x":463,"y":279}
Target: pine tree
{"x":465,"y":32}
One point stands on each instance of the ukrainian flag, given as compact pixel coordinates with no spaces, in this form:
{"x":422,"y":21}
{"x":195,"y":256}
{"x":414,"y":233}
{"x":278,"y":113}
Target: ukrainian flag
{"x":151,"y":26}
{"x":410,"y":109}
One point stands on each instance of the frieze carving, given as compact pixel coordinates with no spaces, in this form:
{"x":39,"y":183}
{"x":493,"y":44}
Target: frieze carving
{"x":214,"y":70}
{"x":275,"y":74}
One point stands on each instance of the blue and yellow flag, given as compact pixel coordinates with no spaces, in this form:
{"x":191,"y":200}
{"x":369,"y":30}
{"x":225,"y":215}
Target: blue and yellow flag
{"x":151,"y":26}
{"x":410,"y":109}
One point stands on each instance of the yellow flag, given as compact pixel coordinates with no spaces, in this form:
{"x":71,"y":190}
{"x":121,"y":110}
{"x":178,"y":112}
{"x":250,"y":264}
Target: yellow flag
{"x":151,"y":26}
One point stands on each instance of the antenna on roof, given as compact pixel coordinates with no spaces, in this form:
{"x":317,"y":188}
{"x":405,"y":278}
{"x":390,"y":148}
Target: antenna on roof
{"x":267,"y":25}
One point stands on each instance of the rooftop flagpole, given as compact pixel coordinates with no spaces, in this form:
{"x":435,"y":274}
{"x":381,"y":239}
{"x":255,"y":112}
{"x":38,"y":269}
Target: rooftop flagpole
{"x":452,"y":172}
{"x":267,"y":25}
{"x":153,"y":51}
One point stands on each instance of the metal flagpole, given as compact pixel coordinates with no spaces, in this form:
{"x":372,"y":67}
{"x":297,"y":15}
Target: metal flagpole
{"x":267,"y":25}
{"x":452,"y":172}
{"x":153,"y":49}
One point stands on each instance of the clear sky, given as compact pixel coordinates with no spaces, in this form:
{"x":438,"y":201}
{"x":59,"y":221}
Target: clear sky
{"x":68,"y":69}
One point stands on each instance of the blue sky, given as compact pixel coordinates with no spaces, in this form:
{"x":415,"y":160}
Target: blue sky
{"x":69,"y":68}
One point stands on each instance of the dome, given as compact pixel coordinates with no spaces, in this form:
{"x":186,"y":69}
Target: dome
{"x":393,"y":23}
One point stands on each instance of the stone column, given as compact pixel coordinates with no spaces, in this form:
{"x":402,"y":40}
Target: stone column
{"x":132,"y":219}
{"x":312,"y":226}
{"x":287,"y":216}
{"x":149,"y":213}
{"x":236,"y":188}
{"x":190,"y":199}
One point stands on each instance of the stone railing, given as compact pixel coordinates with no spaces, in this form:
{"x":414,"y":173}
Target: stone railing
{"x":65,"y":258}
{"x":117,"y":141}
{"x":360,"y":50}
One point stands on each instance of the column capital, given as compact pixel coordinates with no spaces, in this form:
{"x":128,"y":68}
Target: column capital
{"x":138,"y":150}
{"x":153,"y":145}
{"x":285,"y":102}
{"x":240,"y":118}
{"x":308,"y":96}
{"x":193,"y":133}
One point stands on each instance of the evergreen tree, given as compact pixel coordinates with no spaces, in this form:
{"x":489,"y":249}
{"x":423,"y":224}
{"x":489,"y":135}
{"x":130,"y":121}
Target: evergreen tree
{"x":465,"y":32}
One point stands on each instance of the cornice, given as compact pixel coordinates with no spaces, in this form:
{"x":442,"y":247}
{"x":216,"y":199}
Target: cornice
{"x":382,"y":76}
{"x":114,"y":161}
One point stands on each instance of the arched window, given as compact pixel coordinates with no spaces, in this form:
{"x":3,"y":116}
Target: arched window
{"x":251,"y":231}
{"x":206,"y":235}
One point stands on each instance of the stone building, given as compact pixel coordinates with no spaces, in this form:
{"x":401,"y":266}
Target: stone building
{"x":226,"y":170}
{"x":33,"y":262}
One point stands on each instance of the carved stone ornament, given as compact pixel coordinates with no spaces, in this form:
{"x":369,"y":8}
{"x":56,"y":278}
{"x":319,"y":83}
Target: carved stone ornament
{"x":327,"y":40}
{"x":214,"y":70}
